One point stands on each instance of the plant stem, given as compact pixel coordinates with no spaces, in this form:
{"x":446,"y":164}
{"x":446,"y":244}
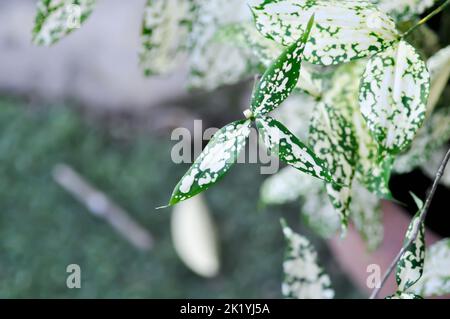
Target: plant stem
{"x":428,"y":17}
{"x":422,"y":216}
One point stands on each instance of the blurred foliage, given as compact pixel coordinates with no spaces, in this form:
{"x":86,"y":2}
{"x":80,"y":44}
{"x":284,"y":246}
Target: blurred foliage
{"x":43,"y":229}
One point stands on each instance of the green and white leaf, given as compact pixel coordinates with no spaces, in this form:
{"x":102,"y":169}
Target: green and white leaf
{"x":216,"y":159}
{"x":266,"y":51}
{"x":432,"y":165}
{"x":366,"y":215}
{"x":403,"y":10}
{"x":303,"y":277}
{"x":287,"y":186}
{"x":281,"y":77}
{"x":165,"y":33}
{"x":393,"y":96}
{"x":433,"y":135}
{"x":345,"y":29}
{"x":403,"y":295}
{"x":435,"y":280}
{"x":319,"y":214}
{"x":439,"y":67}
{"x":410,"y":265}
{"x":333,"y":140}
{"x":213,"y":63}
{"x":57,"y":18}
{"x":280,"y":141}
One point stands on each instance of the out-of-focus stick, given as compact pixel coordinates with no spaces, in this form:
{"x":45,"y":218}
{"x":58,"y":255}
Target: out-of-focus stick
{"x":101,"y":206}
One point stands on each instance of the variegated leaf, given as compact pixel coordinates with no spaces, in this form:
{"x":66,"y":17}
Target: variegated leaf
{"x":287,"y":186}
{"x":303,"y":277}
{"x":295,"y":113}
{"x":372,"y":170}
{"x":280,"y":77}
{"x":213,"y":64}
{"x":435,"y":280}
{"x":319,"y":214}
{"x":216,"y":159}
{"x":333,"y":140}
{"x":57,"y":18}
{"x":279,"y":140}
{"x":393,"y":96}
{"x":165,"y":31}
{"x":410,"y":265}
{"x":403,"y":10}
{"x":366,"y":214}
{"x":266,"y":51}
{"x":434,"y":134}
{"x":345,"y":29}
{"x":403,"y":295}
{"x":432,"y":165}
{"x":439,"y":67}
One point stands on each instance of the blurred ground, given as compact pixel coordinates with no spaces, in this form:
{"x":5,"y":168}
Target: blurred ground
{"x":43,"y":229}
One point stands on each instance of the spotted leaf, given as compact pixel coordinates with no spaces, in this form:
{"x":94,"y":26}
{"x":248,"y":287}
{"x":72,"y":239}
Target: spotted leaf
{"x":211,"y":63}
{"x":165,"y":31}
{"x":403,"y":295}
{"x":55,"y":19}
{"x":280,"y":141}
{"x":280,"y":77}
{"x":266,"y":51}
{"x":393,"y":96}
{"x":435,"y":280}
{"x":366,"y":215}
{"x":287,"y":186}
{"x":439,"y":67}
{"x":345,"y":29}
{"x":216,"y":159}
{"x":303,"y":277}
{"x":403,"y":10}
{"x":410,"y":265}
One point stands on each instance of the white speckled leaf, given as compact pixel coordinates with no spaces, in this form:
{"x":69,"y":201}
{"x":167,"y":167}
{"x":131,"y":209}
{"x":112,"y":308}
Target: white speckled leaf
{"x":213,"y":64}
{"x":435,"y":280}
{"x":393,"y":96}
{"x":439,"y":68}
{"x":333,"y":140}
{"x":434,"y":134}
{"x":287,"y":186}
{"x":57,"y":18}
{"x":345,"y":29}
{"x":281,"y":77}
{"x":432,"y":165}
{"x":266,"y":51}
{"x":279,"y":140}
{"x":165,"y":31}
{"x":403,"y":295}
{"x":366,"y":215}
{"x":403,"y":10}
{"x":318,"y":213}
{"x":332,"y":136}
{"x":216,"y":159}
{"x":410,"y":265}
{"x":303,"y":277}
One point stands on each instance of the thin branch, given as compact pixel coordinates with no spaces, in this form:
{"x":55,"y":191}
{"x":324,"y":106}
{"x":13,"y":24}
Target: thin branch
{"x":102,"y":206}
{"x":428,"y":17}
{"x":422,"y":216}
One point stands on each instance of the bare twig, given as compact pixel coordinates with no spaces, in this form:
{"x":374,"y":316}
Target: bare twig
{"x":422,"y":216}
{"x":102,"y":206}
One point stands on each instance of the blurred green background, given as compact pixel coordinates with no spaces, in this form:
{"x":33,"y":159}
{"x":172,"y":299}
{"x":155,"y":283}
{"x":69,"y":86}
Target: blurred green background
{"x":43,"y":229}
